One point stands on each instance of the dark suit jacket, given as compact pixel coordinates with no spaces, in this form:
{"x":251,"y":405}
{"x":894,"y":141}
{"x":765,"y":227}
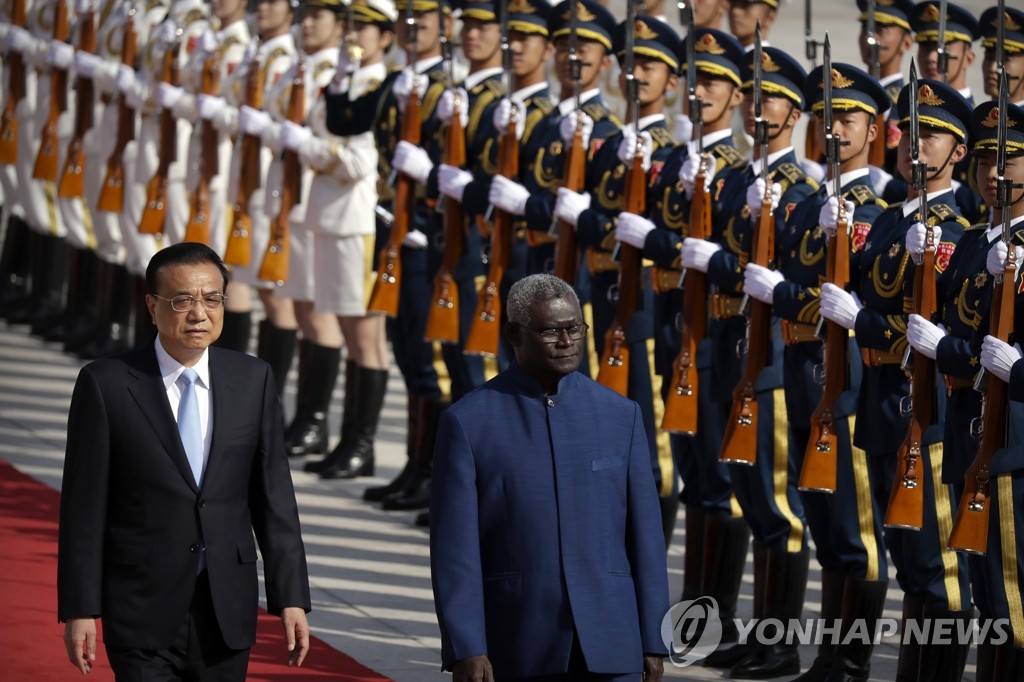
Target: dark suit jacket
{"x":132,"y":519}
{"x":544,"y":521}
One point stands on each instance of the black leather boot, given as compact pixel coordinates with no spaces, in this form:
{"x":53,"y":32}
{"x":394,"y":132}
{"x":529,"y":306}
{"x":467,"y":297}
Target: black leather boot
{"x":910,"y":650}
{"x":832,"y":585}
{"x":1009,"y":663}
{"x":357,"y":457}
{"x":349,"y":415}
{"x":725,"y":556}
{"x":669,"y":511}
{"x":945,"y":662}
{"x":307,"y":434}
{"x":236,"y":332}
{"x":21,"y":308}
{"x":413,"y":412}
{"x":276,"y":347}
{"x":143,"y":329}
{"x":693,"y":557}
{"x":14,"y":264}
{"x":114,"y":316}
{"x":81,"y":292}
{"x":785,"y":582}
{"x":416,"y":494}
{"x":863,"y":601}
{"x":305,"y":348}
{"x":84,"y":306}
{"x":48,"y":285}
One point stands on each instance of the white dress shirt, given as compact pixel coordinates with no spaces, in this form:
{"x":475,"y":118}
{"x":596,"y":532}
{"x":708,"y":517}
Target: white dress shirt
{"x":170,"y":370}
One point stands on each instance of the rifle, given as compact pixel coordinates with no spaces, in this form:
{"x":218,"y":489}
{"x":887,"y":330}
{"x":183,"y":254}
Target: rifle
{"x":15,"y":65}
{"x":906,"y":502}
{"x":152,"y":221}
{"x":681,"y":403}
{"x":942,"y":55}
{"x":275,"y":258}
{"x":485,"y":332}
{"x":72,"y":177}
{"x":614,"y":367}
{"x":239,"y":246}
{"x":443,"y":320}
{"x":970,"y":525}
{"x":812,"y":152}
{"x":384,"y":297}
{"x":877,"y":155}
{"x":47,"y":157}
{"x":566,"y":252}
{"x":819,"y":468}
{"x":739,"y":445}
{"x":198,"y":227}
{"x":111,"y":197}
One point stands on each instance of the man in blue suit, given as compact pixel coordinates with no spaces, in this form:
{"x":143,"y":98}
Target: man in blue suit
{"x":546,"y":550}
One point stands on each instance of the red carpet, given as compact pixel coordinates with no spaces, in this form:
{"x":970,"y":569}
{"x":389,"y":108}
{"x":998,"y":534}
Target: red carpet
{"x":33,"y":644}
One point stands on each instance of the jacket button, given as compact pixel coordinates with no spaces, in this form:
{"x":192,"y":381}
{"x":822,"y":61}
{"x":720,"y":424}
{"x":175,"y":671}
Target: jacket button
{"x":202,"y":503}
{"x":193,"y":548}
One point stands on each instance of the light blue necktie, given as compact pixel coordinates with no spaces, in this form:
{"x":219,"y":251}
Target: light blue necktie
{"x":189,"y":427}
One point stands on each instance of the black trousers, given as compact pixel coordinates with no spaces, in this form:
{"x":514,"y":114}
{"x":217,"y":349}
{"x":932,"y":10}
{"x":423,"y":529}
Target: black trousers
{"x":198,"y":653}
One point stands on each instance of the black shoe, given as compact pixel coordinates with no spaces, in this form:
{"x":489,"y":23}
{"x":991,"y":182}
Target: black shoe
{"x":414,"y":414}
{"x":423,"y":520}
{"x":353,"y":466}
{"x":416,"y":497}
{"x":378,"y":493}
{"x":832,"y":583}
{"x":367,"y":404}
{"x":863,"y":601}
{"x":768,"y":661}
{"x":724,"y":658}
{"x":318,"y":373}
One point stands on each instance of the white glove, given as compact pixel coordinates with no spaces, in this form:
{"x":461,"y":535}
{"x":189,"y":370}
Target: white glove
{"x":828,"y":217}
{"x":999,"y":357}
{"x":413,"y":161}
{"x":996,"y":261}
{"x":688,"y":173}
{"x":86,"y":63}
{"x":760,"y":282}
{"x":632,"y":229}
{"x":209,"y":42}
{"x":755,"y":193}
{"x":627,"y":148}
{"x":508,"y":195}
{"x":345,"y":67}
{"x":62,"y":55}
{"x":209,"y":105}
{"x":294,"y":135}
{"x":446,"y":104}
{"x":452,"y":181}
{"x":840,"y":306}
{"x":916,"y":236}
{"x":682,"y":129}
{"x":415,"y":239}
{"x":503,"y":112}
{"x":167,"y":95}
{"x":924,"y":336}
{"x":167,"y":33}
{"x":570,"y":204}
{"x":567,"y":127}
{"x":403,"y":86}
{"x":125,"y":79}
{"x":697,"y":253}
{"x":250,"y":121}
{"x":20,"y":40}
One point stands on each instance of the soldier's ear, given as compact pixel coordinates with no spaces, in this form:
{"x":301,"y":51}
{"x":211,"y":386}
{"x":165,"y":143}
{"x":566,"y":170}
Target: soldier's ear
{"x":959,"y":153}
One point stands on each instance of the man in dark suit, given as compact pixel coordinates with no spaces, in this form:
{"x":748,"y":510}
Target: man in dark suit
{"x":546,"y":548}
{"x":174,"y":458}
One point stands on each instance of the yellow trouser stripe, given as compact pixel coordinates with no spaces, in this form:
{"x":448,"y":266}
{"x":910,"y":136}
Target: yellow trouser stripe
{"x":1008,"y":547}
{"x":944,"y":520}
{"x":865,"y":508}
{"x":780,"y":473}
{"x":594,"y":360}
{"x":661,"y":438}
{"x":50,"y":190}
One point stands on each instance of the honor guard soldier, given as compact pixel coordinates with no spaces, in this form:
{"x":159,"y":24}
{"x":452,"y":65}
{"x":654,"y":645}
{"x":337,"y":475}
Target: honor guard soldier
{"x":846,"y":522}
{"x":744,"y":17}
{"x":875,"y":308}
{"x":1013,"y":52}
{"x":893,"y":39}
{"x":997,"y":576}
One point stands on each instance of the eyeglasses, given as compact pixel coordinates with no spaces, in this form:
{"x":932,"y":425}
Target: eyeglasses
{"x":185,"y":303}
{"x":553,"y":334}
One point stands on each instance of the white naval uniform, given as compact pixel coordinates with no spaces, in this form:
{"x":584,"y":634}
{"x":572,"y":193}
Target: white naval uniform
{"x":38,"y":206}
{"x":10,"y":174}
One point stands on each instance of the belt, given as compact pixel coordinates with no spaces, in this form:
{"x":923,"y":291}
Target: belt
{"x":798,"y":332}
{"x":874,"y":358}
{"x":601,"y":261}
{"x":721,"y":306}
{"x":664,"y":279}
{"x":954,"y":383}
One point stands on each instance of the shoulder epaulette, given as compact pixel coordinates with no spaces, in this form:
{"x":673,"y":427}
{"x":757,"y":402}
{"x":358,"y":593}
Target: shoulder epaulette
{"x":321,"y":68}
{"x":662,"y":137}
{"x":476,"y":112}
{"x":542,"y":104}
{"x":153,"y":4}
{"x":791,"y":172}
{"x":941,"y":213}
{"x":273,"y":56}
{"x":495,"y":86}
{"x":229,"y":42}
{"x":436,"y":75}
{"x":596,"y":111}
{"x":430,"y":99}
{"x":534,"y":116}
{"x":193,"y":16}
{"x":863,"y":195}
{"x":729,"y":154}
{"x":977,"y":226}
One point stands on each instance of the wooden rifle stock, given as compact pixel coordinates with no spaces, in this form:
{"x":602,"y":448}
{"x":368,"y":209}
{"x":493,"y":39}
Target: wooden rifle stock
{"x":681,"y":403}
{"x":906,"y":501}
{"x":111,"y":197}
{"x":198,"y":227}
{"x":971,"y":522}
{"x":613,"y":371}
{"x":876,"y":156}
{"x":443,"y":320}
{"x":384,"y":297}
{"x":275,"y":259}
{"x":739,"y":446}
{"x":812,"y":147}
{"x":49,"y":143}
{"x":72,"y":177}
{"x":485,"y":332}
{"x":566,"y":252}
{"x":818,"y":472}
{"x":239,"y":246}
{"x":153,"y":215}
{"x":14,"y":64}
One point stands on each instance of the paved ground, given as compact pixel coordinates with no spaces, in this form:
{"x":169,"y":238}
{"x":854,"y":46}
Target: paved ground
{"x":368,"y":568}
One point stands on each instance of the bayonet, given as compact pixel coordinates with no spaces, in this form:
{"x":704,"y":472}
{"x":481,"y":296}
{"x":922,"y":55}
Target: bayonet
{"x":943,"y":56}
{"x":873,"y":63}
{"x":695,"y":103}
{"x":760,"y":124}
{"x":810,"y":44}
{"x":448,"y":61}
{"x":506,"y":64}
{"x":576,"y":76}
